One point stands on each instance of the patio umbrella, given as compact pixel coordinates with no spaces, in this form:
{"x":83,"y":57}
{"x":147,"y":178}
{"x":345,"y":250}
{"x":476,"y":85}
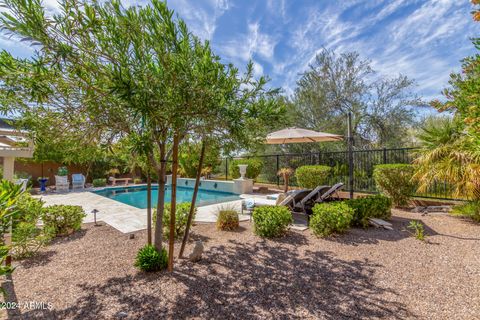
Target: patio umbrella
{"x":298,"y":135}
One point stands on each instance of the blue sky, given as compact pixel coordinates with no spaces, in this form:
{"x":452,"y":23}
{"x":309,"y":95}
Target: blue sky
{"x":424,"y":40}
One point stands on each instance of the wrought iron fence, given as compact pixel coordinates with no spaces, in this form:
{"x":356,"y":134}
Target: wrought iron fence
{"x":363,"y":164}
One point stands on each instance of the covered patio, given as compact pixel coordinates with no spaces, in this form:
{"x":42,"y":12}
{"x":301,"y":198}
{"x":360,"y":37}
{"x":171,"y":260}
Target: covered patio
{"x":13,"y":144}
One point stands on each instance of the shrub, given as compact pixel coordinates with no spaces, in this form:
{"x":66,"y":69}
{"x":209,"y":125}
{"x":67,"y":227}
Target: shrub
{"x":395,"y":181}
{"x":137,"y":181}
{"x":27,"y":239}
{"x":377,"y":206}
{"x":62,"y":171}
{"x":63,"y":219}
{"x":469,"y":209}
{"x":100,"y":182}
{"x":271,"y":221}
{"x":227,"y":220}
{"x":330,"y":218}
{"x":29,"y":209}
{"x":181,"y":218}
{"x":254,"y":168}
{"x":312,"y":176}
{"x":418,"y":229}
{"x":149,"y":259}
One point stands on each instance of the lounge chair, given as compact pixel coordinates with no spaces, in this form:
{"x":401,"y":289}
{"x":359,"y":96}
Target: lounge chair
{"x":78,"y":181}
{"x":62,"y":183}
{"x":329,"y":193}
{"x":289,"y":199}
{"x":324,"y":193}
{"x":311,"y":197}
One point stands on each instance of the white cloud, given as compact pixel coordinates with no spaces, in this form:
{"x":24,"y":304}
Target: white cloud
{"x":257,"y":70}
{"x":201,"y":19}
{"x":245,"y":46}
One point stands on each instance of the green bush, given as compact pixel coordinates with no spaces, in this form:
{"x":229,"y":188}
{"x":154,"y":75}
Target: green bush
{"x":149,"y":259}
{"x":100,"y":182}
{"x":377,"y":206}
{"x":271,"y":221}
{"x":469,"y":209}
{"x":227,"y":220}
{"x":254,"y":168}
{"x":312,"y":176}
{"x":27,"y":239}
{"x":63,"y":219}
{"x":181,"y":218}
{"x":29,"y":209}
{"x":62,"y":171}
{"x":137,"y":181}
{"x":328,"y":218}
{"x":395,"y":181}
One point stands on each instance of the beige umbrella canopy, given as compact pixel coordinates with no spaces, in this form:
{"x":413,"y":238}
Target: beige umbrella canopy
{"x":298,"y":135}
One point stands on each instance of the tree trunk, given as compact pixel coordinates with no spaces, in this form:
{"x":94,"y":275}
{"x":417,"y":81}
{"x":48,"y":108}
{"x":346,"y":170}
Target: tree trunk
{"x":161,"y":199}
{"x":171,"y":240}
{"x":194,"y":199}
{"x":285,"y":179}
{"x":149,"y":208}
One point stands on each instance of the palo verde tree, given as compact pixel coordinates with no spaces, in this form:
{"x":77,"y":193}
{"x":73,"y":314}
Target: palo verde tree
{"x":139,"y":68}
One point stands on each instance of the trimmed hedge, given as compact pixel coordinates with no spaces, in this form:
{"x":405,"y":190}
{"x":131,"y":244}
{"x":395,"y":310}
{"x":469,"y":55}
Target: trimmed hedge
{"x":329,"y":218}
{"x":227,"y":220}
{"x":271,"y":221}
{"x":395,"y":181}
{"x":377,"y":206}
{"x":310,"y":177}
{"x":254,"y":168}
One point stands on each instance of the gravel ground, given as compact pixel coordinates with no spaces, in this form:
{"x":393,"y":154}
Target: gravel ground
{"x":362,"y":274}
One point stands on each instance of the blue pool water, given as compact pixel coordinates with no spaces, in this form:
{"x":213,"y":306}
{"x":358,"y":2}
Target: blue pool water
{"x":137,"y":196}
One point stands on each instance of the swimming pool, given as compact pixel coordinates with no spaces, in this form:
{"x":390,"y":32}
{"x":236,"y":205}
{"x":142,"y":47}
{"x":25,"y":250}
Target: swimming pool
{"x":137,"y":196}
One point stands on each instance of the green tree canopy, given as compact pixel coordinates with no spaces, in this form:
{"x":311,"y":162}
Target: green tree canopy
{"x":336,"y":84}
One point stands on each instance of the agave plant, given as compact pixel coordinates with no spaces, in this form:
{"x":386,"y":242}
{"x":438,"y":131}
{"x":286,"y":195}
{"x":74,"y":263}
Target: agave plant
{"x":285,"y":173}
{"x":448,"y":154}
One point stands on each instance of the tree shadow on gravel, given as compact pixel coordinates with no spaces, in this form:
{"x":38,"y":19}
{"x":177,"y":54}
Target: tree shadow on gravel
{"x":263,"y":279}
{"x":267,"y":281}
{"x":39,"y":259}
{"x":372,"y":235}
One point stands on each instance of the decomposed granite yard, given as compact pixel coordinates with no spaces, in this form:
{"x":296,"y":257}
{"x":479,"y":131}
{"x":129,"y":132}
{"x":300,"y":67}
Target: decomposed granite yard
{"x":90,"y":275}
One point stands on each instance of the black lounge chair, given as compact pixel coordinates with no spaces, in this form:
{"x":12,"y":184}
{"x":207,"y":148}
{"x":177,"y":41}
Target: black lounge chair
{"x":323,"y":194}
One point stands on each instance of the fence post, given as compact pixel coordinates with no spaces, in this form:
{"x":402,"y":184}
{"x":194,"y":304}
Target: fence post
{"x":226,"y":168}
{"x":384,"y":155}
{"x":276,"y":172}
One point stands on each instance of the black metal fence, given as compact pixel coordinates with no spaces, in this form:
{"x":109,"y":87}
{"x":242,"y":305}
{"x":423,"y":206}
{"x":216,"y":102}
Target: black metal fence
{"x":363,"y":164}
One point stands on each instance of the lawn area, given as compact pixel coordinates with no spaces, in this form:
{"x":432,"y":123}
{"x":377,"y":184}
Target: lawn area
{"x":371,"y":273}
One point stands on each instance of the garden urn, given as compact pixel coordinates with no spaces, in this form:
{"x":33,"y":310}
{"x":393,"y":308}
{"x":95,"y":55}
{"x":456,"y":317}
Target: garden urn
{"x":243,"y":170}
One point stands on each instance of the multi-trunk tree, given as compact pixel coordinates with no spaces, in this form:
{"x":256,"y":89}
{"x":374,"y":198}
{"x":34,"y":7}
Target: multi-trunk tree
{"x":135,"y":71}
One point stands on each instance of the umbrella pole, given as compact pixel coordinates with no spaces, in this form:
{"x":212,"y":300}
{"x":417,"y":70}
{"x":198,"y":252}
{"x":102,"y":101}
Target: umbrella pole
{"x":350,"y":154}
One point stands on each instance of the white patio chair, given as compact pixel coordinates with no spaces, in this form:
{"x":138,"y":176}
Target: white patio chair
{"x":23,"y":183}
{"x":78,"y":181}
{"x":62,"y":183}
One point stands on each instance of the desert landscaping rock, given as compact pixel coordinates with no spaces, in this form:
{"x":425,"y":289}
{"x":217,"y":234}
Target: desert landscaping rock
{"x":362,"y":274}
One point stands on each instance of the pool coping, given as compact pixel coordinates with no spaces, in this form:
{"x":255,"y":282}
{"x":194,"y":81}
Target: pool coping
{"x":127,"y":218}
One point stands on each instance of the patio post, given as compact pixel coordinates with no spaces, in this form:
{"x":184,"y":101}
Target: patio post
{"x":350,"y":154}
